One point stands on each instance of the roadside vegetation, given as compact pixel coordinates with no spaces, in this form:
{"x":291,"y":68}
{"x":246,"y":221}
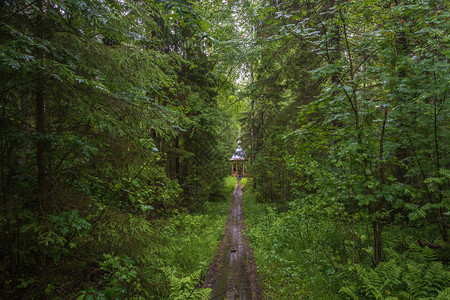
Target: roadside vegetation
{"x":349,"y":142}
{"x":299,"y":256}
{"x":114,"y":139}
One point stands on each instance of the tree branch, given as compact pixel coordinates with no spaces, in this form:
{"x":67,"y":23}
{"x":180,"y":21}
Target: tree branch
{"x":17,"y":11}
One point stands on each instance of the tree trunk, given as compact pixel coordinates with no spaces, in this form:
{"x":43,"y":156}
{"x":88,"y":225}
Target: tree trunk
{"x":40,"y":151}
{"x":377,"y":227}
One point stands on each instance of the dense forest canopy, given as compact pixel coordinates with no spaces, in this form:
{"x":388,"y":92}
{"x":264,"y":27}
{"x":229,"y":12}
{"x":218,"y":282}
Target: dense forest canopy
{"x":118,"y":119}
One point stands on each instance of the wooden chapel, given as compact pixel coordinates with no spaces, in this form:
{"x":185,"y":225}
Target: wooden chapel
{"x":238,"y":162}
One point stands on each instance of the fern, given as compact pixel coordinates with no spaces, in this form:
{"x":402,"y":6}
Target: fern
{"x":426,"y":280}
{"x":429,"y":255}
{"x":444,"y":295}
{"x":416,"y":213}
{"x":350,"y":292}
{"x":186,"y":287}
{"x":380,"y":281}
{"x":422,"y":278}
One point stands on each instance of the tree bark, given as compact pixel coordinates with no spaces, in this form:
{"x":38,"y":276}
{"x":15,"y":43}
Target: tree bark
{"x":40,"y":151}
{"x":377,"y":226}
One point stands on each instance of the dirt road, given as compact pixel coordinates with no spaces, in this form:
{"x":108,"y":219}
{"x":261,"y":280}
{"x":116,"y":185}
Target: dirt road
{"x":233,"y":273}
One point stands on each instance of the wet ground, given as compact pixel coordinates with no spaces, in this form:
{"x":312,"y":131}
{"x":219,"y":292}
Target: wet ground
{"x":233,"y":273}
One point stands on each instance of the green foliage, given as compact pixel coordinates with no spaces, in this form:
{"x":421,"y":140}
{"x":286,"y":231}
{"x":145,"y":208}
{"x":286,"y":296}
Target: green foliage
{"x":119,"y":273}
{"x":347,"y":128}
{"x":103,"y":107}
{"x":120,"y":269}
{"x":418,"y":276}
{"x":299,"y":255}
{"x":379,"y":282}
{"x":187,"y":287}
{"x":117,"y":119}
{"x":230,"y":182}
{"x":287,"y":252}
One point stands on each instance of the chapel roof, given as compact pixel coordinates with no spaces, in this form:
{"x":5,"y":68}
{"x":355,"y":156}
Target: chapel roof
{"x":239,"y":154}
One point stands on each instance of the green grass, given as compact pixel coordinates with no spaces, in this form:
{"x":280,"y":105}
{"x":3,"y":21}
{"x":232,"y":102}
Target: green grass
{"x":229,"y":185}
{"x":193,"y":238}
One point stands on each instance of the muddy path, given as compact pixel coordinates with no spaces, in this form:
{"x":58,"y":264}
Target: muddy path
{"x":233,"y":272}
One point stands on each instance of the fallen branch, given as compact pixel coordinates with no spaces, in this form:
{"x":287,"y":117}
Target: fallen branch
{"x":429,"y":245}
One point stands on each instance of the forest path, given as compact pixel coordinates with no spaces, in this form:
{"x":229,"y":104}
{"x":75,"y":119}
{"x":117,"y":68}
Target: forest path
{"x":233,"y":272}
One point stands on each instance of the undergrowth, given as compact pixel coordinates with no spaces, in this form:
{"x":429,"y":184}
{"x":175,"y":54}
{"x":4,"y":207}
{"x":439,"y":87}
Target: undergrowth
{"x":166,"y":258}
{"x":298,"y":257}
{"x":287,"y":270}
